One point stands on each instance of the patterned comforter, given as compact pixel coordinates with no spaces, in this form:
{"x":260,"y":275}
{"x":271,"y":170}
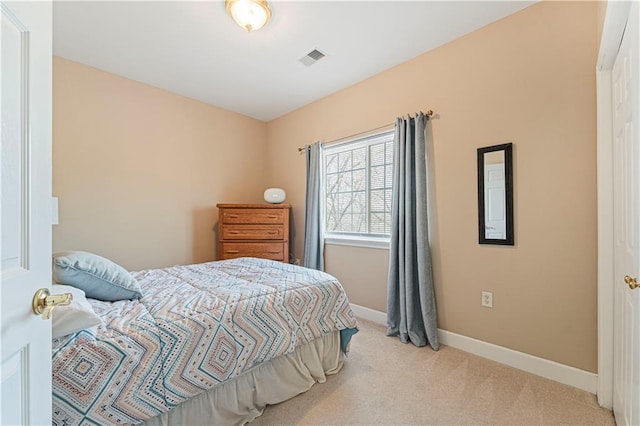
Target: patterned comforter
{"x":195,"y":327}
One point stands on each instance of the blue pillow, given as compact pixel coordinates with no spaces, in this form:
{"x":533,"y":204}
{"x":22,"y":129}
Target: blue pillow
{"x":98,"y":277}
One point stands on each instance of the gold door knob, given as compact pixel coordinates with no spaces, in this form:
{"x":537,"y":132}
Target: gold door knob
{"x":44,"y":302}
{"x":631,"y":282}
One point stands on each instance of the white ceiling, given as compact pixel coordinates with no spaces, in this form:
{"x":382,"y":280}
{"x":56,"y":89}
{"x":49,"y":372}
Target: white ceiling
{"x":194,"y":48}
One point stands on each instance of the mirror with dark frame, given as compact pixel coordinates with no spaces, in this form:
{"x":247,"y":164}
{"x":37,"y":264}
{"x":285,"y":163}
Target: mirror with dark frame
{"x":495,"y":195}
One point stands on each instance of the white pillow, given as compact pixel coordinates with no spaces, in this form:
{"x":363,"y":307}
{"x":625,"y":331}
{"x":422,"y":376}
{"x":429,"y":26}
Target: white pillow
{"x":74,"y":317}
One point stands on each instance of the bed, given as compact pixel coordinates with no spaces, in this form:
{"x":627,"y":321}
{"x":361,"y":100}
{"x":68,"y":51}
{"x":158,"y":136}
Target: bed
{"x":209,"y":343}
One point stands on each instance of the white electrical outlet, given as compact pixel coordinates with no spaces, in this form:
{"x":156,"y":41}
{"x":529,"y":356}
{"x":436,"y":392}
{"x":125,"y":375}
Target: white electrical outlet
{"x":487,"y":299}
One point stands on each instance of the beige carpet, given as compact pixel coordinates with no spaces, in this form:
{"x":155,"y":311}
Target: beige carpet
{"x":385,"y":382}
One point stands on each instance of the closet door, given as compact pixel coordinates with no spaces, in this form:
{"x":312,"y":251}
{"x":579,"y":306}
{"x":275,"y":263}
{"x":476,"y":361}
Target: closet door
{"x":626,"y":196}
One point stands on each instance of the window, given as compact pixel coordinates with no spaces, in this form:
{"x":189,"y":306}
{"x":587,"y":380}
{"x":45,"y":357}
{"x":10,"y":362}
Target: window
{"x":358,"y":176}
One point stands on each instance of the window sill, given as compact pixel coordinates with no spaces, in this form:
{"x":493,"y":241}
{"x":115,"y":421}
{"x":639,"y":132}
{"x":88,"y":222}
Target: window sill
{"x":368,"y":242}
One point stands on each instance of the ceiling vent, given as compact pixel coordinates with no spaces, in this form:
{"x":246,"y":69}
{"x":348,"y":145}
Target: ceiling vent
{"x":312,"y":57}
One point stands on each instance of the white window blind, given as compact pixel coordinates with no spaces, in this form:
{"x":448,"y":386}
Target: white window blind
{"x":358,"y":177}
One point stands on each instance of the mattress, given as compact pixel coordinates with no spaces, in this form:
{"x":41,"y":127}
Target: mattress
{"x":195,"y":328}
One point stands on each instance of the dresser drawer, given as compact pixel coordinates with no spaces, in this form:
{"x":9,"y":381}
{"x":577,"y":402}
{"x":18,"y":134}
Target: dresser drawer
{"x":252,"y":232}
{"x":273,"y":251}
{"x":266,"y":216}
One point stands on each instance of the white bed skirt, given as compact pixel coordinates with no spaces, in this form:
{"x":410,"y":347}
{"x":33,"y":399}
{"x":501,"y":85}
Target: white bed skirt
{"x":244,"y":398}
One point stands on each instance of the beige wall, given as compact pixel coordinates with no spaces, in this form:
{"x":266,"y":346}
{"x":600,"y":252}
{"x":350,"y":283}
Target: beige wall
{"x":138,"y":170}
{"x":527,"y":79}
{"x":601,"y":13}
{"x":362,"y":272}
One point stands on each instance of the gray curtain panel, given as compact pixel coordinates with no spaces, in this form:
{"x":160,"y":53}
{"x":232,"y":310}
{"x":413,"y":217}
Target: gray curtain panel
{"x":313,"y":238}
{"x":411,"y":308}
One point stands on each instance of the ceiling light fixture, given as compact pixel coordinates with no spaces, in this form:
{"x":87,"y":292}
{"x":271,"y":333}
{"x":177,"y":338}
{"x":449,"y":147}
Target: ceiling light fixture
{"x":249,"y":14}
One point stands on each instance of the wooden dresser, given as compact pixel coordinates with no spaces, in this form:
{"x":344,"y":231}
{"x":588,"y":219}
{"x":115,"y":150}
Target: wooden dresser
{"x":253,"y":230}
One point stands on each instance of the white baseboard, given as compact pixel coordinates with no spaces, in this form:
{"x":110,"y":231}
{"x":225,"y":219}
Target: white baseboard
{"x":370,"y":314}
{"x":552,"y":370}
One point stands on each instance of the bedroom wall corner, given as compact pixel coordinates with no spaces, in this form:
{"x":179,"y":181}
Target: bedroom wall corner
{"x":138,"y":170}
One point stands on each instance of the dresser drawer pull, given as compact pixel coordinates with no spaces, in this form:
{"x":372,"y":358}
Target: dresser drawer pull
{"x":272,"y":216}
{"x":232,"y":251}
{"x":234,"y":232}
{"x":232,"y":216}
{"x":272,"y":232}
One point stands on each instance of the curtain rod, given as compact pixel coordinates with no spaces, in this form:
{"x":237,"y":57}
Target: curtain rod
{"x":300,"y":149}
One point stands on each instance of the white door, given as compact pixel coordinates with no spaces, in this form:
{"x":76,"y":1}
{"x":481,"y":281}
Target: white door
{"x":25,"y":88}
{"x":626,"y":151}
{"x":495,"y":202}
